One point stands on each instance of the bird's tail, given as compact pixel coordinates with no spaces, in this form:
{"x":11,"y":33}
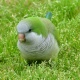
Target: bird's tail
{"x":49,"y":15}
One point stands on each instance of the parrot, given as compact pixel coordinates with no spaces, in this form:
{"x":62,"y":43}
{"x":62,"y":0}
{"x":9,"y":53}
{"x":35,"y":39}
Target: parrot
{"x":38,"y":38}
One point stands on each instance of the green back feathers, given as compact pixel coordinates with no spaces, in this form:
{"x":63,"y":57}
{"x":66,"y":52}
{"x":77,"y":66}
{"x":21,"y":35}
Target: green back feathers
{"x":51,"y":28}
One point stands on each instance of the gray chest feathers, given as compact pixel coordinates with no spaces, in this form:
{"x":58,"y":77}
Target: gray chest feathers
{"x":42,"y":49}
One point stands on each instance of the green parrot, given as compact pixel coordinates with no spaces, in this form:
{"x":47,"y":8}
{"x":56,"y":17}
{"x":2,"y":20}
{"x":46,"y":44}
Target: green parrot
{"x":37,"y":38}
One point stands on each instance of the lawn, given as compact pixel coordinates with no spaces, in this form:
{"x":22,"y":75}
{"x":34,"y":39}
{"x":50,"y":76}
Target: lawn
{"x":66,"y":18}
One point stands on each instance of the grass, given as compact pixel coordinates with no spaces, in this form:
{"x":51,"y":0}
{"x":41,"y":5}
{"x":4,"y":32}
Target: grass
{"x":66,"y":18}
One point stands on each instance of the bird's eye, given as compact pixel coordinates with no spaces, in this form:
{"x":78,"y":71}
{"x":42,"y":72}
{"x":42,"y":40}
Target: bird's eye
{"x":29,"y":30}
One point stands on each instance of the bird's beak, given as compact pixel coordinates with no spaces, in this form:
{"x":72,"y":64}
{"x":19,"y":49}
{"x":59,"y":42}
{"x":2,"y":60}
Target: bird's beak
{"x":21,"y":37}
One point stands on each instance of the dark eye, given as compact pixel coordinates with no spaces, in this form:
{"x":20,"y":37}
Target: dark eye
{"x":29,"y":30}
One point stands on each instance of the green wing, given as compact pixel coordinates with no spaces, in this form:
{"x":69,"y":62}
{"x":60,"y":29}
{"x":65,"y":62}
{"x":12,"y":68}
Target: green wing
{"x":51,"y":28}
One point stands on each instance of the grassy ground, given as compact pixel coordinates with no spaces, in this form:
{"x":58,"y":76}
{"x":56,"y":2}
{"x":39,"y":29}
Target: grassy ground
{"x":66,"y":18}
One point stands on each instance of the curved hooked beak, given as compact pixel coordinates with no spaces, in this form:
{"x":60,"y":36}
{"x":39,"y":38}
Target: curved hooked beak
{"x":21,"y":37}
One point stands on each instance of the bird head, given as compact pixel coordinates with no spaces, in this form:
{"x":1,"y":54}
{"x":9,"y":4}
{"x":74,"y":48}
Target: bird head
{"x":31,"y":29}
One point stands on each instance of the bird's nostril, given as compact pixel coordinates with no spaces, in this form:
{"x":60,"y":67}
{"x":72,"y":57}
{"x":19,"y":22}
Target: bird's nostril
{"x":21,"y":37}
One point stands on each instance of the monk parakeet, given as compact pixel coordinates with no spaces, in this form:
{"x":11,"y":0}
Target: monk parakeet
{"x":37,"y":38}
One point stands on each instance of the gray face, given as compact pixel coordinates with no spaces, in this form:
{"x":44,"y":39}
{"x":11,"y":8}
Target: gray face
{"x":23,"y":27}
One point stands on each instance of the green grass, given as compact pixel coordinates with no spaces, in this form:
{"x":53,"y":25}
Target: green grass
{"x":66,"y":18}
